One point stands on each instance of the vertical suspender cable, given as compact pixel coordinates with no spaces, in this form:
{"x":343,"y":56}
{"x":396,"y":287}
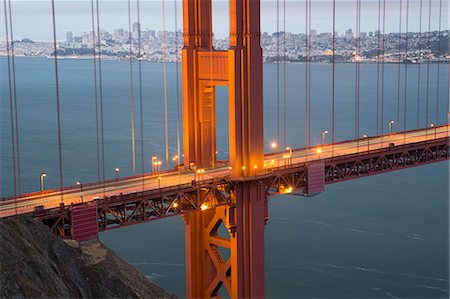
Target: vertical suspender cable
{"x":100,"y":81}
{"x":428,"y":64}
{"x":278,"y":75}
{"x":382,"y":66}
{"x":141,"y":104}
{"x":406,"y":68}
{"x":438,"y":63}
{"x":178,"y":87}
{"x":94,"y":40}
{"x":419,"y":62}
{"x":130,"y":41}
{"x":399,"y":63}
{"x":307,"y":76}
{"x":284,"y":76}
{"x":166,"y":113}
{"x":378,"y":65}
{"x":11,"y":104}
{"x":13,"y":64}
{"x":55,"y":49}
{"x":332,"y":77}
{"x":213,"y":149}
{"x":357,"y":67}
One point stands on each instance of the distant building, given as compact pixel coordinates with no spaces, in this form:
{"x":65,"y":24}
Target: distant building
{"x":349,"y":34}
{"x":69,"y":37}
{"x":370,"y":34}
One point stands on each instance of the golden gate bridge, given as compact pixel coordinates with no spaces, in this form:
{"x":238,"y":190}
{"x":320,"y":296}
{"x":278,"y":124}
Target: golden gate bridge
{"x":206,"y":192}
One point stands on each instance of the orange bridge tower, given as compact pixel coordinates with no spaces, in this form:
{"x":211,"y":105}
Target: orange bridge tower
{"x":225,"y":245}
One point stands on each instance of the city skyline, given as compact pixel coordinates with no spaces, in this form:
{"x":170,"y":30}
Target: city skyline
{"x":75,"y":16}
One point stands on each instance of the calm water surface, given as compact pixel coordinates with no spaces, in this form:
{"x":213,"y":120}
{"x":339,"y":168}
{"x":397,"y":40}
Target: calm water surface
{"x":379,"y":237}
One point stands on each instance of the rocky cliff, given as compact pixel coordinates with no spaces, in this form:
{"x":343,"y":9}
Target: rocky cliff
{"x":34,"y":263}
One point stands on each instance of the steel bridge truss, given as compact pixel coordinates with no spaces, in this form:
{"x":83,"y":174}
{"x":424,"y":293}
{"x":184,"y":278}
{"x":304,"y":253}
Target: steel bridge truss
{"x":128,"y":209}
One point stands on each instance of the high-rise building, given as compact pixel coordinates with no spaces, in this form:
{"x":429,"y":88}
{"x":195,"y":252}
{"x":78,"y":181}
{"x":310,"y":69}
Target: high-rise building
{"x":349,"y":34}
{"x":69,"y":37}
{"x":136,"y":27}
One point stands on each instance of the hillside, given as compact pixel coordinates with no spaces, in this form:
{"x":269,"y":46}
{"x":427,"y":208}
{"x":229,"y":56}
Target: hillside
{"x":34,"y":263}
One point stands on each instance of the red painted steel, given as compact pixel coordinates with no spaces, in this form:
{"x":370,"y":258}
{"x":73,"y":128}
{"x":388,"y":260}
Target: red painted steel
{"x":315,"y":178}
{"x":84,"y":224}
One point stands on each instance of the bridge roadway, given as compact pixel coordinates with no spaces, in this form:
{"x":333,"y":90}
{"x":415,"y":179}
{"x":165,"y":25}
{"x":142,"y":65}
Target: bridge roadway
{"x":152,"y":181}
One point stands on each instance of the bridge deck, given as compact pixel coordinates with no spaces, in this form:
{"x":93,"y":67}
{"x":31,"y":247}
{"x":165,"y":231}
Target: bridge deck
{"x":176,"y":180}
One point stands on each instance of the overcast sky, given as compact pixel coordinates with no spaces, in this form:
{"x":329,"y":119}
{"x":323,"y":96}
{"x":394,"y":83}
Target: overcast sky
{"x":32,"y":18}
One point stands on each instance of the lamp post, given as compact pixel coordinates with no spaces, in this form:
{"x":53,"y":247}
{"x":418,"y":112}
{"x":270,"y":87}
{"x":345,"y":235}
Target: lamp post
{"x":159,"y":182}
{"x":433,"y":126}
{"x":117,"y":173}
{"x":154,"y":158}
{"x":319,"y":151}
{"x":324,"y":132}
{"x":290,"y":154}
{"x":43,"y":176}
{"x":367,"y":137}
{"x":274,"y":147}
{"x":390,"y":123}
{"x":81,"y":190}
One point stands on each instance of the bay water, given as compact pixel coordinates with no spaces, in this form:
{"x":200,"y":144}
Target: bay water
{"x":384,"y":236}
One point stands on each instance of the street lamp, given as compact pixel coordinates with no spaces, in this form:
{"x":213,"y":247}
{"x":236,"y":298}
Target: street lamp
{"x":81,"y":190}
{"x":319,"y":151}
{"x":154,"y":158}
{"x":117,"y":173}
{"x":290,"y":154}
{"x":390,"y":123}
{"x":159,"y":182}
{"x":324,"y":132}
{"x":43,"y":176}
{"x":367,"y":137}
{"x":433,"y":126}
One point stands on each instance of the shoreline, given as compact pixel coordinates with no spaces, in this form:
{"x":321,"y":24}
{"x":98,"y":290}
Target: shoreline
{"x":113,"y":58}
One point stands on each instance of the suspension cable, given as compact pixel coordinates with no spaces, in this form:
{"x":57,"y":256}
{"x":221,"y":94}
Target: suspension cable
{"x":428,"y":64}
{"x":100,"y":80}
{"x":284,"y":77}
{"x":399,"y":62}
{"x":55,"y":48}
{"x":438,"y":63}
{"x":166,"y":116}
{"x":278,"y":76}
{"x":178,"y":88}
{"x":357,"y":67}
{"x":333,"y":69}
{"x":141,"y":104}
{"x":382,"y":66}
{"x":130,"y":54}
{"x":13,"y":64}
{"x":307,"y":37}
{"x":406,"y":69}
{"x":378,"y":65}
{"x":94,"y":46}
{"x":11,"y":100}
{"x":419,"y":62}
